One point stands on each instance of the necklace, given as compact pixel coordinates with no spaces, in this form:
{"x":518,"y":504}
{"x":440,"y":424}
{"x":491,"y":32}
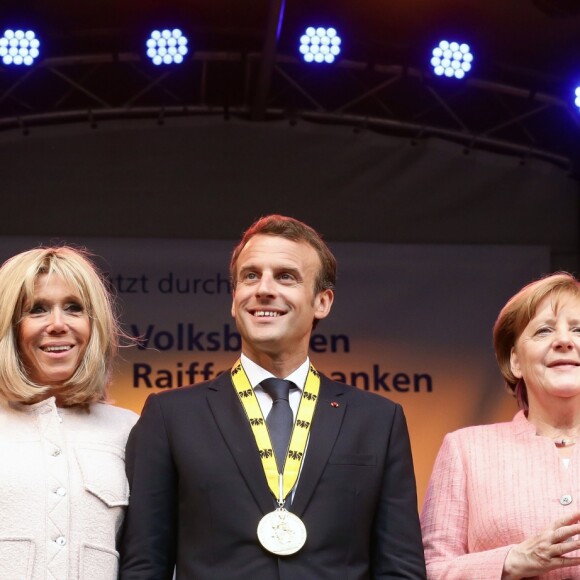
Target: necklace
{"x":561,"y":442}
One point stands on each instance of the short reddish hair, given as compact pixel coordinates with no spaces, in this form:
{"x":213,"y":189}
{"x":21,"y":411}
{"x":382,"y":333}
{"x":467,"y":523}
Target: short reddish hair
{"x":516,"y":315}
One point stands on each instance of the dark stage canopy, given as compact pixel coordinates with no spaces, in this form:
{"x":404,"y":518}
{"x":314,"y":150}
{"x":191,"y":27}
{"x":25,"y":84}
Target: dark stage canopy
{"x":517,"y":99}
{"x":95,"y":140}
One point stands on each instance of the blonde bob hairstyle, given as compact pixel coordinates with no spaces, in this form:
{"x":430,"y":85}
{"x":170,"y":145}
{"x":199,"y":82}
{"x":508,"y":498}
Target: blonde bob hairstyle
{"x":516,"y":315}
{"x":18,"y":276}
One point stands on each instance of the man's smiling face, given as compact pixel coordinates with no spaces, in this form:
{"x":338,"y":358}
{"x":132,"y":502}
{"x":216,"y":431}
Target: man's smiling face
{"x":274,"y":302}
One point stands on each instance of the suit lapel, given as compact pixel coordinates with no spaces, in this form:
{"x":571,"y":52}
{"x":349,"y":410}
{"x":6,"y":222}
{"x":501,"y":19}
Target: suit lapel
{"x":233,"y":425}
{"x":325,"y":428}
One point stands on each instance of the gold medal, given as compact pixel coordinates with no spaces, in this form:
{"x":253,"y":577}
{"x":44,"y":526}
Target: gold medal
{"x":281,"y":532}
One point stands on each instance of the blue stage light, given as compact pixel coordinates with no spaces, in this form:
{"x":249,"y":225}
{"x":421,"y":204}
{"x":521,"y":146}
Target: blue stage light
{"x":167,"y":46}
{"x":320,"y":45}
{"x":19,"y":47}
{"x":451,"y":59}
{"x":577,"y":95}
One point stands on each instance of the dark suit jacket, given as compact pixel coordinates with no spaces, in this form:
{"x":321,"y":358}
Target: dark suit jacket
{"x":198,"y":491}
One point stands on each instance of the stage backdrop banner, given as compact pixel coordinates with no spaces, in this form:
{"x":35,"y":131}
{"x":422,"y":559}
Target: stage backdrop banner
{"x":409,"y":322}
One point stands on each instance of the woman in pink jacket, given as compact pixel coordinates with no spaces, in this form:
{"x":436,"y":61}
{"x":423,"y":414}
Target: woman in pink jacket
{"x":503,"y":502}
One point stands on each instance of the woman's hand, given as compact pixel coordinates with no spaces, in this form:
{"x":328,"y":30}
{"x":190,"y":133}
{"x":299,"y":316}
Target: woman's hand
{"x":544,"y":552}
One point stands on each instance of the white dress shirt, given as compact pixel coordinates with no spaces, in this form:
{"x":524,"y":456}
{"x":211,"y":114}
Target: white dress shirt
{"x":256,"y":374}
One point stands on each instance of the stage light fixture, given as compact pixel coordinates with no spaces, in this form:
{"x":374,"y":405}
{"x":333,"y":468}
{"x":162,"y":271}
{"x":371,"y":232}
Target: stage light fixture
{"x":451,"y":59}
{"x":167,"y":46}
{"x":19,"y":47}
{"x":577,"y":99}
{"x":320,"y":45}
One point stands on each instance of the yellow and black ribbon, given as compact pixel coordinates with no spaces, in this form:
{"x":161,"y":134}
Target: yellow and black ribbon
{"x":300,"y":432}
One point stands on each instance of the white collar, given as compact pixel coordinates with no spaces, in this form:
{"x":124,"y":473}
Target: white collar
{"x":256,"y":374}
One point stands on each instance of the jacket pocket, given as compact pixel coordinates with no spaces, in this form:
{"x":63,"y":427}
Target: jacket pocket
{"x":352,"y":459}
{"x":98,"y":563}
{"x":16,"y":558}
{"x":103,"y":472}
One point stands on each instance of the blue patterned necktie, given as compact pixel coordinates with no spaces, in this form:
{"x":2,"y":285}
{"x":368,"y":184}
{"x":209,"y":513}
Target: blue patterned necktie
{"x":280,"y":418}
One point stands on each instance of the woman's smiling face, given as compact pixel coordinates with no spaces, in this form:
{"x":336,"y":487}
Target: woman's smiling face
{"x":547,"y":353}
{"x":53,"y":332}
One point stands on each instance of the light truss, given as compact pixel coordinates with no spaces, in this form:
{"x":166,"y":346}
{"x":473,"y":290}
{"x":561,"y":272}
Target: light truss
{"x":392,"y":99}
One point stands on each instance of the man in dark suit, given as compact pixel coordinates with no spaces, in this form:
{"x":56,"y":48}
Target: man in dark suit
{"x":222,"y":493}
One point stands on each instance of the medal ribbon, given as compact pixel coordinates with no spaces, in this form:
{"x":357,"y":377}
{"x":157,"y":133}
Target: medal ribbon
{"x":299,"y":436}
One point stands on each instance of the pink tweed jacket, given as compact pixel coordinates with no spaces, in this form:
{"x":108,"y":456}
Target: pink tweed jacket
{"x":492,"y":487}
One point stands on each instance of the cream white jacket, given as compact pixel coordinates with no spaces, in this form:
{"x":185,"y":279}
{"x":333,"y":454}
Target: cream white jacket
{"x":63,"y":490}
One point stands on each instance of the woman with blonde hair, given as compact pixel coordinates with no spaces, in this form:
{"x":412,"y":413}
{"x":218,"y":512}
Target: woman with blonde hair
{"x":63,"y":489}
{"x":503,"y":500}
